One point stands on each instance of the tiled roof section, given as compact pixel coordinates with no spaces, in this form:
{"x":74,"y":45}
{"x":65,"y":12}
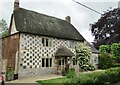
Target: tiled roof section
{"x":36,"y":23}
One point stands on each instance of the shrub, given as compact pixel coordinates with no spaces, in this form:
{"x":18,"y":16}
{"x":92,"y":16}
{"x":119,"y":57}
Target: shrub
{"x":115,"y":48}
{"x":104,"y":49}
{"x":116,"y":65}
{"x":105,"y":61}
{"x":63,"y":72}
{"x":103,"y":79}
{"x":10,"y":74}
{"x":73,"y":81}
{"x":71,"y":73}
{"x":83,"y":54}
{"x":113,"y":75}
{"x":109,"y":76}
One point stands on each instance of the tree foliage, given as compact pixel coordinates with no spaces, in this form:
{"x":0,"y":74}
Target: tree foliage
{"x":3,"y":28}
{"x":83,"y":54}
{"x":107,"y":29}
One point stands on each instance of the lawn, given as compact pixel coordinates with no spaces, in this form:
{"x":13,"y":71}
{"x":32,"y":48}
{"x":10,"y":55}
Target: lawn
{"x":60,"y":81}
{"x":87,"y":77}
{"x":56,"y":81}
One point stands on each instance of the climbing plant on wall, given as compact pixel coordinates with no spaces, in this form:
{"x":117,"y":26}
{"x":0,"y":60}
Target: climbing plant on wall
{"x":83,"y":54}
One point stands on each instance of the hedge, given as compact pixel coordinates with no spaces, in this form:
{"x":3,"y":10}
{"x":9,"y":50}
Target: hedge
{"x":105,"y":61}
{"x":109,"y":76}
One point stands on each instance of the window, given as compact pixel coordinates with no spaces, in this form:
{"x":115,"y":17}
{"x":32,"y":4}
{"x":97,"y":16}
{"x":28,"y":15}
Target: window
{"x":95,"y":59}
{"x":43,"y":62}
{"x":72,"y":44}
{"x":43,"y":41}
{"x":62,"y":61}
{"x":46,"y":42}
{"x":74,"y":61}
{"x":59,"y":61}
{"x":47,"y":62}
{"x":50,"y":62}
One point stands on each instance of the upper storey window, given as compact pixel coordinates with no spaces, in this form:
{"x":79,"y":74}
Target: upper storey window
{"x":46,"y":42}
{"x":72,"y":44}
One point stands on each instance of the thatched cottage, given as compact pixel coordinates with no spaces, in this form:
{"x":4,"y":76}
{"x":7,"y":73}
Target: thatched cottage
{"x":39,"y":44}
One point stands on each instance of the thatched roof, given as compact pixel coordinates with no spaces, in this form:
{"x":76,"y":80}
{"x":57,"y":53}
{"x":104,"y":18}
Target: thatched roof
{"x":64,"y":52}
{"x":28,"y":21}
{"x":93,"y":49}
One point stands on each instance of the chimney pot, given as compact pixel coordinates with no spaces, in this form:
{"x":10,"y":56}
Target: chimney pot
{"x":16,"y":4}
{"x":68,"y":19}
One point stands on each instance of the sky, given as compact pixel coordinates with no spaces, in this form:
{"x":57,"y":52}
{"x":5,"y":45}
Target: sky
{"x":81,"y":17}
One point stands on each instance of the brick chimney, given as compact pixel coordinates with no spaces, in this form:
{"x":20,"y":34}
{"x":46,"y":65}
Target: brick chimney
{"x":16,"y":4}
{"x":119,"y":4}
{"x":68,"y":19}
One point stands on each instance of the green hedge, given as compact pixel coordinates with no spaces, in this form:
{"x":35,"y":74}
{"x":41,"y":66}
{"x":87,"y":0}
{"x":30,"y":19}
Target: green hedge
{"x":105,"y":61}
{"x":115,"y":48}
{"x":105,"y":49}
{"x":108,"y":77}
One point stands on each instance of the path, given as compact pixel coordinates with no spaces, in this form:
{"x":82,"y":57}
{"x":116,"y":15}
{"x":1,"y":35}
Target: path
{"x":32,"y":80}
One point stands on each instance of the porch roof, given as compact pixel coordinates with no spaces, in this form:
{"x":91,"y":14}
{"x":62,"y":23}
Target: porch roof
{"x":64,"y":52}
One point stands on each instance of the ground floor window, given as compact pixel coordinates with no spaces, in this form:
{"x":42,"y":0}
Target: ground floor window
{"x":43,"y":62}
{"x":74,"y":61}
{"x":46,"y":62}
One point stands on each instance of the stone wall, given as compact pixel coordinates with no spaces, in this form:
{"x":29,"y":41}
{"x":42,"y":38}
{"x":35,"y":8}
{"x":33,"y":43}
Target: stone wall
{"x":10,"y":46}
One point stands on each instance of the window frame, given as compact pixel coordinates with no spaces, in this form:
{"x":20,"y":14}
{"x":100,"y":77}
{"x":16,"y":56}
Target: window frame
{"x":46,"y":42}
{"x":47,"y":62}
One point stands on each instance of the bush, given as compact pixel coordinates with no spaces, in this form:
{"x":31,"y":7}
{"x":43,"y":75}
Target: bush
{"x":105,"y":61}
{"x":115,"y":48}
{"x":83,"y":54}
{"x":113,"y":75}
{"x":109,"y":76}
{"x":103,"y":79}
{"x":116,"y":65}
{"x":63,"y":73}
{"x":71,"y":73}
{"x":10,"y":74}
{"x":104,"y":49}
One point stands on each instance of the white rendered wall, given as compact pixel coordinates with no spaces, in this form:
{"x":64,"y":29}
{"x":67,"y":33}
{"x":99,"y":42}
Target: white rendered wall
{"x":13,"y":27}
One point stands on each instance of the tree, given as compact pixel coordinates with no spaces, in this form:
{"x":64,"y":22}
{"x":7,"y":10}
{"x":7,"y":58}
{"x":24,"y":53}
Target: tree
{"x":107,"y":29}
{"x":3,"y":28}
{"x":83,"y":54}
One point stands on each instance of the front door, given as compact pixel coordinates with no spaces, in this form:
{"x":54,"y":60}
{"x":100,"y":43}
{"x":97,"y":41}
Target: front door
{"x":61,"y":64}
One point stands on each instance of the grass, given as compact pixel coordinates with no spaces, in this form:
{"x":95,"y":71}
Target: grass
{"x":60,"y":81}
{"x":56,"y":81}
{"x":82,"y":77}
